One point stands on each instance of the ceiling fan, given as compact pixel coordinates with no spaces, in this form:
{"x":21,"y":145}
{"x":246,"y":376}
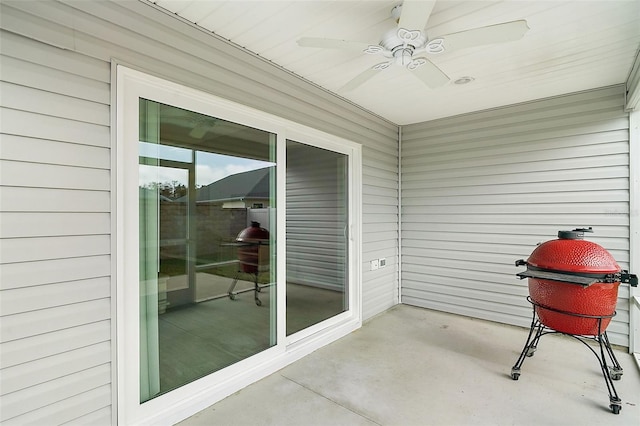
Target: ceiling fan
{"x":405,"y":44}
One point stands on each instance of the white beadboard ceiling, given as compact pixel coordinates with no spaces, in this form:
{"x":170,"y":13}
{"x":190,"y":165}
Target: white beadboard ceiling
{"x":570,"y":46}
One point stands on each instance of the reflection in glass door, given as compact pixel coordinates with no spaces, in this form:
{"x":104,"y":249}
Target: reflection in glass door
{"x":207,"y":286}
{"x":317,"y":235}
{"x":172,"y":205}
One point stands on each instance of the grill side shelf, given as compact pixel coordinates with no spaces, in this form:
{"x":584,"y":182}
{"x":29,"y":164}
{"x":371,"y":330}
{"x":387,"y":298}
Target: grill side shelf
{"x":556,"y":276}
{"x":584,"y":279}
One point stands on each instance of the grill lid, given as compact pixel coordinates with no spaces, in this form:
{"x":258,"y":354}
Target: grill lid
{"x":571,"y":259}
{"x":573,"y":254}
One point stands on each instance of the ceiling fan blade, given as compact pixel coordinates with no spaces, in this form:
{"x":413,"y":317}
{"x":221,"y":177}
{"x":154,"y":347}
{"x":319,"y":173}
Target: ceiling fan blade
{"x":198,"y":132}
{"x":429,"y":73}
{"x":328,"y":43}
{"x":499,"y":33}
{"x":363,"y":77}
{"x":415,"y":14}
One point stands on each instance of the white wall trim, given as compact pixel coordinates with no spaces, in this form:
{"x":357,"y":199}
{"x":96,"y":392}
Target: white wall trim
{"x":633,"y":85}
{"x":634,"y":227}
{"x":114,"y":243}
{"x":399,"y":266}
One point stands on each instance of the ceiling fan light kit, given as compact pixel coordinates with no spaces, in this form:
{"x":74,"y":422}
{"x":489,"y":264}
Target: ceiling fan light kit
{"x":463,"y":80}
{"x":403,"y":44}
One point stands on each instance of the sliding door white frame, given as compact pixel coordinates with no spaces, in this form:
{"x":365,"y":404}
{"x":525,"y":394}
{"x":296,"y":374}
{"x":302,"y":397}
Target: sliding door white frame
{"x":169,"y":408}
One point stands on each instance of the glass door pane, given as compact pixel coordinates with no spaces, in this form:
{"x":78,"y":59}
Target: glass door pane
{"x":317,"y":235}
{"x":207,"y":245}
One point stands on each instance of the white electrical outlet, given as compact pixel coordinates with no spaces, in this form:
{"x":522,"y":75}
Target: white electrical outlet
{"x":375,"y":264}
{"x":382,"y":262}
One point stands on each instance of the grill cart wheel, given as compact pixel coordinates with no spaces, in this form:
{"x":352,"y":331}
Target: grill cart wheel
{"x":515,"y":373}
{"x":616,"y":405}
{"x":616,"y":373}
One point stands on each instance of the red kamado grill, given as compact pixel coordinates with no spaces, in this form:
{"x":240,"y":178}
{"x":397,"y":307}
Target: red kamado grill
{"x":573,"y":287}
{"x":253,"y":256}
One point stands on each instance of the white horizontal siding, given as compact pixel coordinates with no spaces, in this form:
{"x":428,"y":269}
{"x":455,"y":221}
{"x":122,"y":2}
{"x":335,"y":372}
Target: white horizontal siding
{"x":46,"y":369}
{"x":65,"y":410}
{"x":48,"y":103}
{"x":44,"y":224}
{"x":91,"y":70}
{"x":31,"y":323}
{"x":37,"y":75}
{"x":25,"y":274}
{"x":18,"y":148}
{"x":14,"y":173}
{"x":49,"y":248}
{"x":480,"y":190}
{"x":56,"y":182}
{"x":101,"y":416}
{"x":380,"y":235}
{"x":20,"y":123}
{"x":55,"y":234}
{"x":21,"y":199}
{"x":42,"y":395}
{"x":37,"y":346}
{"x":41,"y":297}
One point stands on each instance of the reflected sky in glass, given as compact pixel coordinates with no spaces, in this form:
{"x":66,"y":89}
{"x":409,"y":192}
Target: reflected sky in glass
{"x":210,"y":167}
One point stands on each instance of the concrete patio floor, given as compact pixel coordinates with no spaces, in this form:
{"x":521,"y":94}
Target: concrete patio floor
{"x":413,"y":366}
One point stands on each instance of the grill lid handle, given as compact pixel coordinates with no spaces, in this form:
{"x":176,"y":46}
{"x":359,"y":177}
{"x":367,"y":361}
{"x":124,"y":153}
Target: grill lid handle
{"x":631,"y":279}
{"x":576,"y":234}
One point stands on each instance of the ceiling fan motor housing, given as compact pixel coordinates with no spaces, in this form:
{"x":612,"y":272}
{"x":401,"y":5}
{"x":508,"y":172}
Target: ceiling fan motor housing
{"x":403,"y":56}
{"x":392,"y":40}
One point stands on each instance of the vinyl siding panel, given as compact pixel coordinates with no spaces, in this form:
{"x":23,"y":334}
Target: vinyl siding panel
{"x":48,"y":103}
{"x":49,"y":248}
{"x":480,"y":190}
{"x":39,"y":76}
{"x":42,"y":395}
{"x":41,"y":297}
{"x":19,"y":148}
{"x":25,"y":274}
{"x":56,"y":184}
{"x":31,"y":348}
{"x":20,"y":123}
{"x":50,"y":368}
{"x":21,"y":199}
{"x":25,"y":174}
{"x":99,"y":417}
{"x":31,"y":323}
{"x":64,"y":411}
{"x":42,"y":224}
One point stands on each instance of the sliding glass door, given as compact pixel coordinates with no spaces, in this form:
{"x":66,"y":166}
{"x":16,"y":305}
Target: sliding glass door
{"x":237,"y":244}
{"x":207,"y":209}
{"x":317,"y":240}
